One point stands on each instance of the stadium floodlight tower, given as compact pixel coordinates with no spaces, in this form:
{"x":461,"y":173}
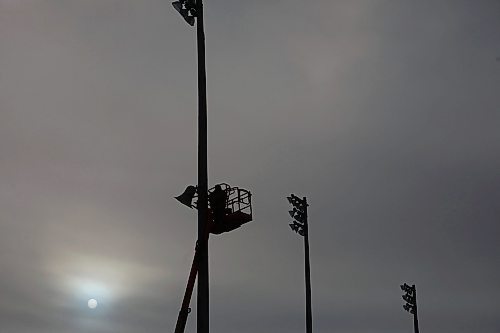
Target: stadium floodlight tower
{"x":410,"y":306}
{"x":192,"y":11}
{"x":300,"y":225}
{"x":230,"y":207}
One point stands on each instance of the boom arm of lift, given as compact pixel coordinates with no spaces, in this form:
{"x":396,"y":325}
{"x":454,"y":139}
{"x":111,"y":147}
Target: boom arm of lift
{"x":183,"y":313}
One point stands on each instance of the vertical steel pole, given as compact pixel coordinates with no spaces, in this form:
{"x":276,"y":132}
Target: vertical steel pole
{"x":307,"y":272}
{"x":415,"y":315}
{"x":202,"y":322}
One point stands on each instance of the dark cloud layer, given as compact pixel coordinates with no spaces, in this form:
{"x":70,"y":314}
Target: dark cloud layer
{"x":384,"y":114}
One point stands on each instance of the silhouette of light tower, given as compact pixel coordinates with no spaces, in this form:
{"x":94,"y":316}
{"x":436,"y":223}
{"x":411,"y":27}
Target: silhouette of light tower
{"x":300,"y":225}
{"x":410,"y":298}
{"x":192,"y":11}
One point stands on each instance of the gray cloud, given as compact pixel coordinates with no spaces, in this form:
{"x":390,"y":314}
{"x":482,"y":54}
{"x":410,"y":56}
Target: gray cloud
{"x":385,"y":115}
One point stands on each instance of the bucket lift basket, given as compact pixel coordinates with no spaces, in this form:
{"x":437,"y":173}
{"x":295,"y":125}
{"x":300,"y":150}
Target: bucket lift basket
{"x":238,"y":209}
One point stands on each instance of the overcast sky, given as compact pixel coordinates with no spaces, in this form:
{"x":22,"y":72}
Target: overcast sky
{"x":385,"y":114}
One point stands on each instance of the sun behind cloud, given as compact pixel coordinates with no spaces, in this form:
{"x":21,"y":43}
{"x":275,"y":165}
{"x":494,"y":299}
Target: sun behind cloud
{"x":92,"y":303}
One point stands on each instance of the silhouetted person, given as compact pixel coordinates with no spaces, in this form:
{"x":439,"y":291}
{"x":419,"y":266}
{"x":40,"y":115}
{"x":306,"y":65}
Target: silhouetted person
{"x":217,"y":201}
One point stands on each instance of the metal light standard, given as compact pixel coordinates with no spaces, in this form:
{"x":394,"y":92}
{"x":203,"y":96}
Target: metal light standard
{"x":300,"y":226}
{"x":192,"y":11}
{"x":410,"y":298}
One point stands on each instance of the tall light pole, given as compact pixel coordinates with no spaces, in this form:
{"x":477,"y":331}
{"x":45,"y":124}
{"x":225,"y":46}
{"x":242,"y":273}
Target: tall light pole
{"x":192,"y":11}
{"x":300,"y":225}
{"x":410,"y":298}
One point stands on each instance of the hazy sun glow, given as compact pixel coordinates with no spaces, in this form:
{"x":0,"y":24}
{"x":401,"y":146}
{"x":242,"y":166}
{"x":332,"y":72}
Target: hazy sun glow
{"x":106,"y":280}
{"x":91,"y":288}
{"x":92,"y":303}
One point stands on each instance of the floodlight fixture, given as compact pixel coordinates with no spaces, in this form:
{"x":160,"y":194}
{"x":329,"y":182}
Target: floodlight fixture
{"x":409,"y":299}
{"x":186,"y":198}
{"x":300,"y":217}
{"x":299,"y":214}
{"x":296,"y":201}
{"x":187,"y":10}
{"x":408,"y":289}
